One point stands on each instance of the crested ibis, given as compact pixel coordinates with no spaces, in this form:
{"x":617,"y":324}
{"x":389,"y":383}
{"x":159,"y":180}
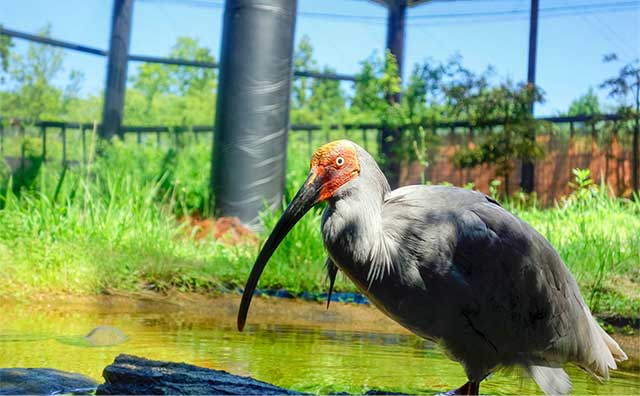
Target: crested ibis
{"x":452,"y":266}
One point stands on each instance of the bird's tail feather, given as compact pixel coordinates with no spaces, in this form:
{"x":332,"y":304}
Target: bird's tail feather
{"x":603,"y":353}
{"x":552,"y":380}
{"x":617,"y":352}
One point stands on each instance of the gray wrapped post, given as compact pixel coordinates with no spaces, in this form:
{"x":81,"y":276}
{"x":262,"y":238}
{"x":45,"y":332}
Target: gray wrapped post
{"x":249,"y":160}
{"x":117,"y":68}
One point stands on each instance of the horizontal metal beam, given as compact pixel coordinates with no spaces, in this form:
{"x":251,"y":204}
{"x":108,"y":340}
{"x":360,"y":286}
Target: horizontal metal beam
{"x":173,"y":61}
{"x":325,"y":76}
{"x":307,"y":127}
{"x":165,"y":128}
{"x":52,"y":42}
{"x":155,"y":59}
{"x":314,"y":127}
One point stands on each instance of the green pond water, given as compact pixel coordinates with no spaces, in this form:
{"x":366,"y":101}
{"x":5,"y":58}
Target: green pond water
{"x":305,"y":357}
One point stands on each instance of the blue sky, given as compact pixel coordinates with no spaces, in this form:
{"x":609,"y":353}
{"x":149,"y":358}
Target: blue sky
{"x":570,"y":44}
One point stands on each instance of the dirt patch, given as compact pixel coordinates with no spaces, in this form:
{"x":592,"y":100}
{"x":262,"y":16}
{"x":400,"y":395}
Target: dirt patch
{"x":228,"y":230}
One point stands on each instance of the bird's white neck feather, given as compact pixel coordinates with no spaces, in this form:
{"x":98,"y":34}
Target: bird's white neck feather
{"x":353,"y":228}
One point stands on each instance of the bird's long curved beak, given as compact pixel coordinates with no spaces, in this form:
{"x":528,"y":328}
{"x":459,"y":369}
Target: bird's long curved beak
{"x":304,"y":200}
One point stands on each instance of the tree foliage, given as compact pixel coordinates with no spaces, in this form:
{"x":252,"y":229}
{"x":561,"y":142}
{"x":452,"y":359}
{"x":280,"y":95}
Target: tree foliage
{"x":30,"y":90}
{"x":5,"y":47}
{"x":157,"y":94}
{"x":315,"y":100}
{"x":302,"y":60}
{"x":30,"y":76}
{"x":171,"y":94}
{"x":434,"y":92}
{"x":625,"y":87}
{"x":587,"y":104}
{"x":513,"y":138}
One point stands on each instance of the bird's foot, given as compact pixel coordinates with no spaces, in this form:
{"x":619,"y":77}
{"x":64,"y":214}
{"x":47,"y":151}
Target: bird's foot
{"x":470,"y":388}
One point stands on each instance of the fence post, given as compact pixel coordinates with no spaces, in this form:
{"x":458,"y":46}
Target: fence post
{"x":571,"y":131}
{"x":594,"y":141}
{"x":84,"y":145}
{"x":157,"y":138}
{"x":43,"y":132}
{"x":22,"y":145}
{"x":139,"y":137}
{"x":364,"y":139}
{"x":1,"y":140}
{"x":63,"y":131}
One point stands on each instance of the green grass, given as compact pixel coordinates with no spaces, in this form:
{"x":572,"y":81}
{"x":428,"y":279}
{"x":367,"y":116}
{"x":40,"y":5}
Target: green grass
{"x":114,"y":225}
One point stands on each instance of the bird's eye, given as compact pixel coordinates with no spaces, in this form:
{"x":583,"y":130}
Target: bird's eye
{"x":339,"y":161}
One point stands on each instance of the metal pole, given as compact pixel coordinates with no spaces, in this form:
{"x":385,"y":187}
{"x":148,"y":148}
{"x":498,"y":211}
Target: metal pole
{"x":397,"y":11}
{"x":396,"y":16}
{"x":527,"y":174}
{"x":117,"y":68}
{"x":252,"y":114}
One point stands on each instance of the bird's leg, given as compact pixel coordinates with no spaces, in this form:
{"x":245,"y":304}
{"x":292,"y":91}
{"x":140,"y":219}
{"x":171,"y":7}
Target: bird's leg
{"x":470,"y":388}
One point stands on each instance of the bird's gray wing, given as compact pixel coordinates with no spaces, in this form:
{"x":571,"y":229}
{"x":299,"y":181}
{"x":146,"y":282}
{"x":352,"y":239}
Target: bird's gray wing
{"x":524,"y":290}
{"x":498,"y":272}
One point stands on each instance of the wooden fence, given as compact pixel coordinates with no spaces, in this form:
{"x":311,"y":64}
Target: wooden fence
{"x":602,"y":144}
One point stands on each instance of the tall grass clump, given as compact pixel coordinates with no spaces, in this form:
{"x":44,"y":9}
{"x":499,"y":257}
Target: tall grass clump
{"x":116,"y":224}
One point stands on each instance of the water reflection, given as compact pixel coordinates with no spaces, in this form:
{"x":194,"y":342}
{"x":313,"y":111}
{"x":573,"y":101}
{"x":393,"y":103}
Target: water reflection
{"x":308,"y":357}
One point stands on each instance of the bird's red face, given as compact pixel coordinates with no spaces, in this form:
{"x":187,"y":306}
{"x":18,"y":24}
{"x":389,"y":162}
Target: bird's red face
{"x":334,"y":164}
